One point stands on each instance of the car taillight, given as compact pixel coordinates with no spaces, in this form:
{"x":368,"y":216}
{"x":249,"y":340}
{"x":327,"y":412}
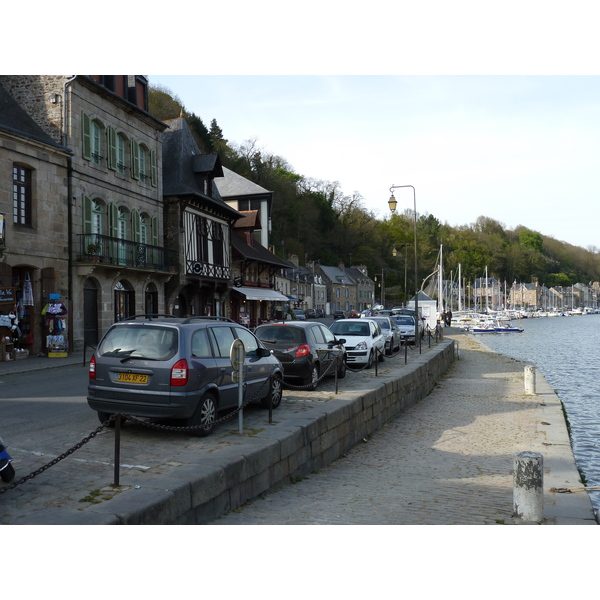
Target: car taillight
{"x":303,"y":350}
{"x":92,"y":372}
{"x":179,"y":373}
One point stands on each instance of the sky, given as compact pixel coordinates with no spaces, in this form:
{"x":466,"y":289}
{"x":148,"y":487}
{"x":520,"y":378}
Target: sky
{"x":520,"y":149}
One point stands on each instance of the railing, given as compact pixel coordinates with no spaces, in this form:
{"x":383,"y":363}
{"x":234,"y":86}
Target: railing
{"x":96,"y":248}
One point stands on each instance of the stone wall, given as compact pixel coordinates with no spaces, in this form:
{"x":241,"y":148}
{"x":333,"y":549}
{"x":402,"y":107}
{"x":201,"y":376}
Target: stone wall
{"x":218,"y":483}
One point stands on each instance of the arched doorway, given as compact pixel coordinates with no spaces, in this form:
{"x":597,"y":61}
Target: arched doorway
{"x":151,"y":299}
{"x":124,"y":300}
{"x":90,"y":312}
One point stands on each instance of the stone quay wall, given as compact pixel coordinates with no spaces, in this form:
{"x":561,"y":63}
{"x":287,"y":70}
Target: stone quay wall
{"x":218,"y":483}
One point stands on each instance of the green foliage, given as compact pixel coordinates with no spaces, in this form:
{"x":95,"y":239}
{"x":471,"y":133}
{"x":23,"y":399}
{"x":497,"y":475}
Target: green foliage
{"x":317,"y":221}
{"x":531,"y":239}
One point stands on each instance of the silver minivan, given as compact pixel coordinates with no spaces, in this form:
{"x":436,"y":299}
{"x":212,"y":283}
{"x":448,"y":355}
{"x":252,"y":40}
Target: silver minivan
{"x":178,"y":368}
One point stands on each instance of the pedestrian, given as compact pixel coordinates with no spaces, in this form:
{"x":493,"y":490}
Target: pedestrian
{"x":443,"y":316}
{"x":448,"y":317}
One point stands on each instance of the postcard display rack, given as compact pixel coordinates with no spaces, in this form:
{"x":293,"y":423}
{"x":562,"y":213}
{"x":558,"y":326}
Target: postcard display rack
{"x":56,"y":325}
{"x":9,"y":330}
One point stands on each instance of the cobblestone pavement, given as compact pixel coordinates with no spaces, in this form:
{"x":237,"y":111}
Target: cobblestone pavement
{"x":447,"y":460}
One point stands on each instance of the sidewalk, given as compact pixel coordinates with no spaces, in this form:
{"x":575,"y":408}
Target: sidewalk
{"x":447,"y":459}
{"x":36,"y":363}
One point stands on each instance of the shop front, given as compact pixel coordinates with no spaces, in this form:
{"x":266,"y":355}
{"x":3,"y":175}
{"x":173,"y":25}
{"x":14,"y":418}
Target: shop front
{"x":251,"y":306}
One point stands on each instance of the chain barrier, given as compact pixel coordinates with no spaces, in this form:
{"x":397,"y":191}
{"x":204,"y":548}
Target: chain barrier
{"x":190,"y":428}
{"x":125,"y":417}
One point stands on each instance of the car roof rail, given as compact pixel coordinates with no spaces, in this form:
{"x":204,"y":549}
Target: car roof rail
{"x":149,"y":317}
{"x":208,"y":318}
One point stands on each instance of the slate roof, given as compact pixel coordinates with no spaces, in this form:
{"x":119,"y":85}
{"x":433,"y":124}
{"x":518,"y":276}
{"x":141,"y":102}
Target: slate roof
{"x":356,"y":274}
{"x":14,"y":119}
{"x":257,"y":252}
{"x":184,"y":168}
{"x":232,"y":185}
{"x":337,"y":275}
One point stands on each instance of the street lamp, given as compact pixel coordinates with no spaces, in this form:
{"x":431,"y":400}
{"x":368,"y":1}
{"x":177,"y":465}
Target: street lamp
{"x":393,"y":204}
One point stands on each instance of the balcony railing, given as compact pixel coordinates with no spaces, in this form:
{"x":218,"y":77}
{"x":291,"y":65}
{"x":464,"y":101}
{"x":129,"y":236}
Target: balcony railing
{"x":95,"y":248}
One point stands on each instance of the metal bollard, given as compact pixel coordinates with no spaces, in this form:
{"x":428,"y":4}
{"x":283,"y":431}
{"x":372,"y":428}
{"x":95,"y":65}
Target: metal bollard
{"x":528,"y":490}
{"x":529,"y":379}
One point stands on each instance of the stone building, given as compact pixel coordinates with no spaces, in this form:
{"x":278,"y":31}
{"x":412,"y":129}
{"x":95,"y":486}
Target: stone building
{"x":34,"y":248}
{"x":119,"y":264}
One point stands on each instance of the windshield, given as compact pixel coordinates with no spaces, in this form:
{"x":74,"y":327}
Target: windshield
{"x":354,"y":328}
{"x":139,"y":341}
{"x":404,"y":320}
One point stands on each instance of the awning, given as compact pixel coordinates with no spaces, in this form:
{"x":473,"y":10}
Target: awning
{"x":252,"y":293}
{"x":292,"y":298}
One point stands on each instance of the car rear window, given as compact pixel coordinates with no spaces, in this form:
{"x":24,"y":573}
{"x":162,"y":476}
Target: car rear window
{"x":140,"y":341}
{"x":280,"y":334}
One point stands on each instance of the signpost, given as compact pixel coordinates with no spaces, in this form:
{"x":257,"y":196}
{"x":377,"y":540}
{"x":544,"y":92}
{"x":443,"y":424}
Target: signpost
{"x":237,"y":355}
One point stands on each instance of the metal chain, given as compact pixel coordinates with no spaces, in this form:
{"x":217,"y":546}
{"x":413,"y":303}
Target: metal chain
{"x":64,"y":455}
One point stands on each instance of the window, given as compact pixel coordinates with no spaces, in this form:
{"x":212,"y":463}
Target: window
{"x":121,"y":143}
{"x":91,"y":131}
{"x":21,"y":196}
{"x":143,"y":163}
{"x":96,"y":137}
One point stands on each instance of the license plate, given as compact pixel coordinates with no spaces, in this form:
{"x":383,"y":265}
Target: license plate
{"x":130,"y":378}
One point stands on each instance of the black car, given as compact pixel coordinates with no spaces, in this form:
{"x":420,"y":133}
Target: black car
{"x":306,"y":349}
{"x":339,"y":314}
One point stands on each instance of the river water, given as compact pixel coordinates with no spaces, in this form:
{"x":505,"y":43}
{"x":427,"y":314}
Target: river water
{"x":565,"y":350}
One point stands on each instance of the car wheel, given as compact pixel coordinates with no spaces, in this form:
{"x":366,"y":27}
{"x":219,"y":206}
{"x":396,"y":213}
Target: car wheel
{"x":313,"y":378}
{"x":388,"y":349}
{"x":8,"y":473}
{"x":380,"y":357}
{"x":205,"y":416}
{"x":370,"y":361}
{"x":275,"y":393}
{"x":104,"y":416}
{"x":342,"y":369}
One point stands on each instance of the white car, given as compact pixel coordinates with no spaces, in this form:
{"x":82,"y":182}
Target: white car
{"x":406,"y":325}
{"x":364,"y":340}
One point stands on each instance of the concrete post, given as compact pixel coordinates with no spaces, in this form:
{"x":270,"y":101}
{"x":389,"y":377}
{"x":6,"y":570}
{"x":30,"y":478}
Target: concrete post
{"x":528,"y":491}
{"x":529,"y":379}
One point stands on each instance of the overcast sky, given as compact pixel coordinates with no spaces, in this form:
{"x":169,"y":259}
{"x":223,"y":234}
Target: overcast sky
{"x":523,"y":150}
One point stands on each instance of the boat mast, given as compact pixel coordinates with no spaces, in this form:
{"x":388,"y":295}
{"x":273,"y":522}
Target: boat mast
{"x":459,"y":296}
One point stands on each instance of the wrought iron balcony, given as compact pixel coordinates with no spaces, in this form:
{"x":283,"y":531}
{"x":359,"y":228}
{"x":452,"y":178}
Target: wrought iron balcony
{"x":95,"y":248}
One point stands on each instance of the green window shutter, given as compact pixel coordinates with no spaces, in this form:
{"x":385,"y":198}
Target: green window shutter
{"x":153,"y":166}
{"x":111,"y":136}
{"x":155,"y":230}
{"x":86,"y":136}
{"x":87,"y":214}
{"x":135,"y":159}
{"x":135,"y":225}
{"x":113,"y":218}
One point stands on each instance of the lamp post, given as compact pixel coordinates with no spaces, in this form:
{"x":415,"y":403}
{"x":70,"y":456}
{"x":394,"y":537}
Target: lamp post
{"x":393,"y":204}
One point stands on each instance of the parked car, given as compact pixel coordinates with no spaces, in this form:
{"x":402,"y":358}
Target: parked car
{"x":390,"y":332}
{"x":364,"y":340}
{"x":311,"y":313}
{"x":299,"y":314}
{"x":381,"y":312}
{"x":406,"y":326}
{"x":320,"y":313}
{"x":339,"y":314}
{"x":306,"y":350}
{"x":178,"y":368}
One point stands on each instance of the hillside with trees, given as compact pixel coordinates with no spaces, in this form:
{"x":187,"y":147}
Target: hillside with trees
{"x":317,"y":221}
